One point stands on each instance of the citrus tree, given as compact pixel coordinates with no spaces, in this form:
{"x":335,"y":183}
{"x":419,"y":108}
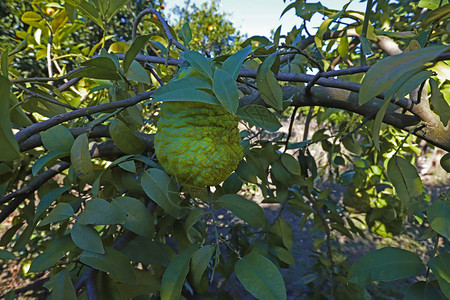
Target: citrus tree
{"x":139,"y":168}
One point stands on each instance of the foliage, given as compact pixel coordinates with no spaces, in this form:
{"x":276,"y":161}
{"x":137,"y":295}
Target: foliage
{"x":88,"y":204}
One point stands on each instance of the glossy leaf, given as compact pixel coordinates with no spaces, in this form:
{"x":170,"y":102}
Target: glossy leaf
{"x":377,"y":124}
{"x":137,"y":218}
{"x":87,"y":9}
{"x":63,"y":287}
{"x":270,"y":91}
{"x":87,"y":238}
{"x":46,"y":159}
{"x":175,"y":275}
{"x":284,"y":230}
{"x":386,"y":264}
{"x":136,"y":72}
{"x":260,"y":277}
{"x":283,"y":255}
{"x":148,"y":252}
{"x":135,"y":48}
{"x":81,"y":158}
{"x":259,"y":116}
{"x":62,"y":211}
{"x":422,"y":290}
{"x":156,"y":184}
{"x":291,"y":164}
{"x":226,"y":90}
{"x":52,"y":254}
{"x":233,"y":63}
{"x":99,"y":212}
{"x":185,"y":33}
{"x":199,"y":62}
{"x":440,"y":265}
{"x":115,"y":263}
{"x":125,"y":139}
{"x":386,"y":72}
{"x":5,"y":254}
{"x":445,"y":162}
{"x":99,"y":68}
{"x":199,"y":262}
{"x":438,"y":103}
{"x":438,"y":215}
{"x":9,"y":148}
{"x":405,"y":179}
{"x":266,"y":65}
{"x":245,"y":209}
{"x":47,"y":200}
{"x":57,"y":139}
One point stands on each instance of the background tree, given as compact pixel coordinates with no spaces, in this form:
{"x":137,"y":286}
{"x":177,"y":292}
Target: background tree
{"x":91,"y":211}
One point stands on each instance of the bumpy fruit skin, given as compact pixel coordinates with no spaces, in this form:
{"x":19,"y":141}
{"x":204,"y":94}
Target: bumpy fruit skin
{"x":197,"y":142}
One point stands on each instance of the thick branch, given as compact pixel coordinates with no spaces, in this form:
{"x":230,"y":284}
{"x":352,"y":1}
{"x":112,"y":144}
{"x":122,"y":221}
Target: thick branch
{"x":338,"y":98}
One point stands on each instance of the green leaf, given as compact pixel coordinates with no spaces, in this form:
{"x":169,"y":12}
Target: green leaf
{"x":43,"y":107}
{"x":124,"y":138}
{"x":438,"y":103}
{"x":343,"y":47}
{"x":321,"y":31}
{"x":259,"y":116}
{"x":247,"y":210}
{"x":270,"y":91}
{"x":406,"y":180}
{"x":233,"y":63}
{"x":440,"y":265}
{"x":260,"y":277}
{"x":199,"y":262}
{"x":185,"y":33}
{"x":46,"y":159}
{"x":137,"y":73}
{"x":386,"y":72}
{"x":4,"y":62}
{"x":99,"y":212}
{"x":377,"y":124}
{"x":199,"y":62}
{"x":33,"y":19}
{"x":88,"y":9}
{"x":5,"y":254}
{"x":291,"y":164}
{"x":441,"y":13}
{"x":386,"y":264}
{"x":159,"y":187}
{"x":266,"y":65}
{"x":99,"y":68}
{"x":148,"y":252}
{"x":284,"y":230}
{"x":186,"y":94}
{"x":63,"y":287}
{"x":283,"y":255}
{"x":135,"y":48}
{"x":175,"y":275}
{"x":9,"y":148}
{"x":137,"y":218}
{"x":87,"y":238}
{"x":445,"y":162}
{"x":129,"y":166}
{"x":422,"y":290}
{"x":438,"y":215}
{"x":146,"y":284}
{"x":47,"y":200}
{"x":57,"y":139}
{"x":226,"y":90}
{"x":62,"y":211}
{"x":81,"y":158}
{"x":52,"y":254}
{"x":193,"y":217}
{"x":115,"y":263}
{"x":113,"y":7}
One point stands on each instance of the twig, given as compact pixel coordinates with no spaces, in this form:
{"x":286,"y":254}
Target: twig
{"x":365,"y":120}
{"x":308,"y":121}
{"x":291,"y":125}
{"x":82,"y":112}
{"x":166,"y":28}
{"x":49,"y":78}
{"x":312,"y":82}
{"x":21,"y":194}
{"x":150,"y":68}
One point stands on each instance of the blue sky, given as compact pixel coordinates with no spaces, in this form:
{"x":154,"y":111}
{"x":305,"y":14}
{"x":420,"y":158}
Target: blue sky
{"x":259,"y":17}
